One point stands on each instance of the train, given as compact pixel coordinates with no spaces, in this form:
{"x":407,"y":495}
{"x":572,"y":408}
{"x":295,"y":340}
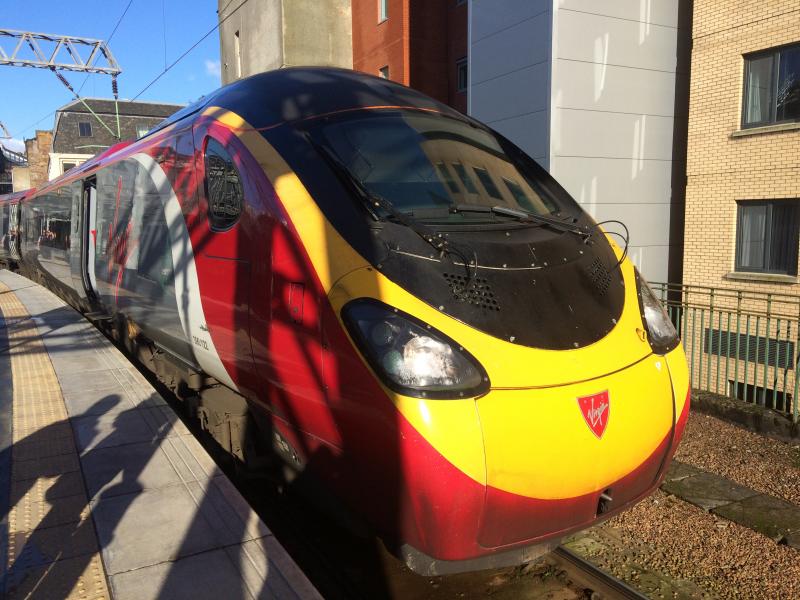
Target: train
{"x":385,"y":294}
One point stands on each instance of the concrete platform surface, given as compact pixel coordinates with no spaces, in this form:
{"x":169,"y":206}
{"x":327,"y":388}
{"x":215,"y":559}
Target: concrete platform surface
{"x":104,"y":493}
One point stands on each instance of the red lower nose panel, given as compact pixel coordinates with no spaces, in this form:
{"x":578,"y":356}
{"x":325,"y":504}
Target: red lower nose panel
{"x":511,"y":519}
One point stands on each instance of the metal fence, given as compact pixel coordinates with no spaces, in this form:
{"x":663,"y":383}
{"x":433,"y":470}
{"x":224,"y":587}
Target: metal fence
{"x":738,"y":343}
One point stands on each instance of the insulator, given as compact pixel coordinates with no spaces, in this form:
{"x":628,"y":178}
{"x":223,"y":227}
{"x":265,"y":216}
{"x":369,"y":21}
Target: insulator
{"x":114,"y":87}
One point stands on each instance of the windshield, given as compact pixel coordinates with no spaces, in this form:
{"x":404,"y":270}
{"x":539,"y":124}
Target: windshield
{"x":420,"y":161}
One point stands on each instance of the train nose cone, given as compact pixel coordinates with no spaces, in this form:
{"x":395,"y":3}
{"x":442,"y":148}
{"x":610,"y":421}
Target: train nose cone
{"x":556,"y":457}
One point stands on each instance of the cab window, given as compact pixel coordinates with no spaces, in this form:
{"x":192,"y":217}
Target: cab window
{"x":223,"y":187}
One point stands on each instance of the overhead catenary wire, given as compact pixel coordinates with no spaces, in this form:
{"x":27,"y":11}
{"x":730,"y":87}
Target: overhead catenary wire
{"x":192,"y":47}
{"x":108,"y":39}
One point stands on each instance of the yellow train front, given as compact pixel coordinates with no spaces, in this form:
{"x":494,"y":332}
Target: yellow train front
{"x":496,"y":374}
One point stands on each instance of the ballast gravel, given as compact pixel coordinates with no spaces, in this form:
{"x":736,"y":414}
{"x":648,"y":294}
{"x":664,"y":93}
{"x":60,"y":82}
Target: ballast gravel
{"x":721,"y":557}
{"x":750,"y":459}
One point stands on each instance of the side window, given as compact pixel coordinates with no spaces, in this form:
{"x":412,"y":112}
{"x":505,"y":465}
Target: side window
{"x":767,"y":236}
{"x":223,"y":187}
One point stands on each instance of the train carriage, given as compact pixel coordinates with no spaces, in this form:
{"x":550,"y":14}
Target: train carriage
{"x":388,"y":295}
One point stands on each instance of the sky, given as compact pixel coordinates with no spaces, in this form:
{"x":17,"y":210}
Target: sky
{"x":152,"y":33}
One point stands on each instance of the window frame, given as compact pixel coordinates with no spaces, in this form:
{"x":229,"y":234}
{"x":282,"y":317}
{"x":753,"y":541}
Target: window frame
{"x":462,"y":62}
{"x":88,"y":124}
{"x":768,"y":234}
{"x":775,"y":55}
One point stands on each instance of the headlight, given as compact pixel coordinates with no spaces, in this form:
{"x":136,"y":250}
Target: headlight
{"x":410,"y":356}
{"x":661,"y":332}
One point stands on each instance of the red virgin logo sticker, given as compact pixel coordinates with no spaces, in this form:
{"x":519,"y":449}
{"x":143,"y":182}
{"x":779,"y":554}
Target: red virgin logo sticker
{"x":595,"y":412}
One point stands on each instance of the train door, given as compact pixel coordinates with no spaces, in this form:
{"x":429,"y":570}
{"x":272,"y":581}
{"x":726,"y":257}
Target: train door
{"x":89,"y":236}
{"x":222,"y":240}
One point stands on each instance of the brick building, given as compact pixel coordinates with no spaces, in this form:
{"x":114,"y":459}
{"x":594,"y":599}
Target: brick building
{"x":741,"y":295}
{"x":37,"y":151}
{"x":78,"y":135}
{"x":419,"y":43}
{"x":743,"y":171}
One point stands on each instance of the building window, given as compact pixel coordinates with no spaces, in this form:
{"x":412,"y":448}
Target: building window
{"x":384,"y":72}
{"x":462,"y":74}
{"x":223,"y":187}
{"x":444,"y":175}
{"x":383,"y":10}
{"x":767,"y":236}
{"x":771,"y":87}
{"x":67,"y":166}
{"x":488,"y":184}
{"x":141,"y":130}
{"x":85,"y":129}
{"x":465,"y":178}
{"x":237,"y":51}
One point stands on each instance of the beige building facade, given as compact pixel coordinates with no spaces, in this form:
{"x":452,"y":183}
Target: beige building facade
{"x":743,"y":165}
{"x":271,"y":34}
{"x":740,"y":309}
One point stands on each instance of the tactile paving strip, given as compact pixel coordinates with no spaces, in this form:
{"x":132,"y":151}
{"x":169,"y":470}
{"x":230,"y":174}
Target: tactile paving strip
{"x":52,"y":547}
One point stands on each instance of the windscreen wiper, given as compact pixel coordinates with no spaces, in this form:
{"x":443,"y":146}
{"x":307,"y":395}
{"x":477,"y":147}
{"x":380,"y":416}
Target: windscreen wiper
{"x":431,"y":236}
{"x":524,"y":217}
{"x":372,"y":200}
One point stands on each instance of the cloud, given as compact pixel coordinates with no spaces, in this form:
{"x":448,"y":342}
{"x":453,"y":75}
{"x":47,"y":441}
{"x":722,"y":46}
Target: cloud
{"x":14,"y":144}
{"x":213,"y":68}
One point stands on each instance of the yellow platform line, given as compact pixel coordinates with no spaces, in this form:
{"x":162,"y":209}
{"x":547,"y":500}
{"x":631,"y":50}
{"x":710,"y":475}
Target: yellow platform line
{"x":52,"y":545}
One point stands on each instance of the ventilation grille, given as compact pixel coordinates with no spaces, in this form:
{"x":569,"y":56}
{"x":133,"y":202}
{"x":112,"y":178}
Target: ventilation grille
{"x":479,"y":294}
{"x":599,"y":276}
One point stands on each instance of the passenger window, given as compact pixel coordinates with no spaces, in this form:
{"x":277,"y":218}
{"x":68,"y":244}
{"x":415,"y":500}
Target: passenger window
{"x":223,"y":187}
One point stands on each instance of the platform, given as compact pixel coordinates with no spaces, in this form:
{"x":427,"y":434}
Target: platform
{"x":104,"y":493}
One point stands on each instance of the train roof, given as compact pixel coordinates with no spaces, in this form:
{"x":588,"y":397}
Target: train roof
{"x":15,"y":196}
{"x":284,"y":95}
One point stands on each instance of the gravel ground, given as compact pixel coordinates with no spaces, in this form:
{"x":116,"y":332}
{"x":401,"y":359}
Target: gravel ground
{"x":723,"y":558}
{"x":749,"y":459}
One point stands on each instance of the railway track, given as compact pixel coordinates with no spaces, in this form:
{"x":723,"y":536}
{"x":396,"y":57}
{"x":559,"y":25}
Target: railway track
{"x":585,"y":574}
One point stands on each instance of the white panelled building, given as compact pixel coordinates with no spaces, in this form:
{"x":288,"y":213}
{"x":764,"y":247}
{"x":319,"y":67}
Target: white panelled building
{"x":588,"y":88}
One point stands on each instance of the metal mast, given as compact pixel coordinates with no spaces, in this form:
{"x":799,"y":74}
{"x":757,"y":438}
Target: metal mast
{"x":61,"y":52}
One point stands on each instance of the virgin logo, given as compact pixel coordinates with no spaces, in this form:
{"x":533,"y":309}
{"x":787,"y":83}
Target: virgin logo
{"x":595,"y":410}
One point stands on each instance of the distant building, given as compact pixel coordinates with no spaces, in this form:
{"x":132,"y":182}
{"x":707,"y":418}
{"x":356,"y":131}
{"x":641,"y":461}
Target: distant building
{"x":420,"y":43}
{"x":8,"y":160}
{"x":78,"y":135}
{"x":596,"y":92}
{"x":37,"y":153}
{"x":270,"y":34}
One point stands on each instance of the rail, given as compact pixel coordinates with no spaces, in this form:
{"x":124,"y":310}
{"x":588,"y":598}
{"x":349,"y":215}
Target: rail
{"x":739,"y":343}
{"x":586,"y":574}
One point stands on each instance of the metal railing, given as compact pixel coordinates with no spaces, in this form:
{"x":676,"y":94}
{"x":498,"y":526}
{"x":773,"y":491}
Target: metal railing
{"x":739,"y":343}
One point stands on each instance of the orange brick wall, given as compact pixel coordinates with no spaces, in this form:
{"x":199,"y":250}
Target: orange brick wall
{"x":420,"y":42}
{"x":722,"y":169}
{"x":376,"y":45}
